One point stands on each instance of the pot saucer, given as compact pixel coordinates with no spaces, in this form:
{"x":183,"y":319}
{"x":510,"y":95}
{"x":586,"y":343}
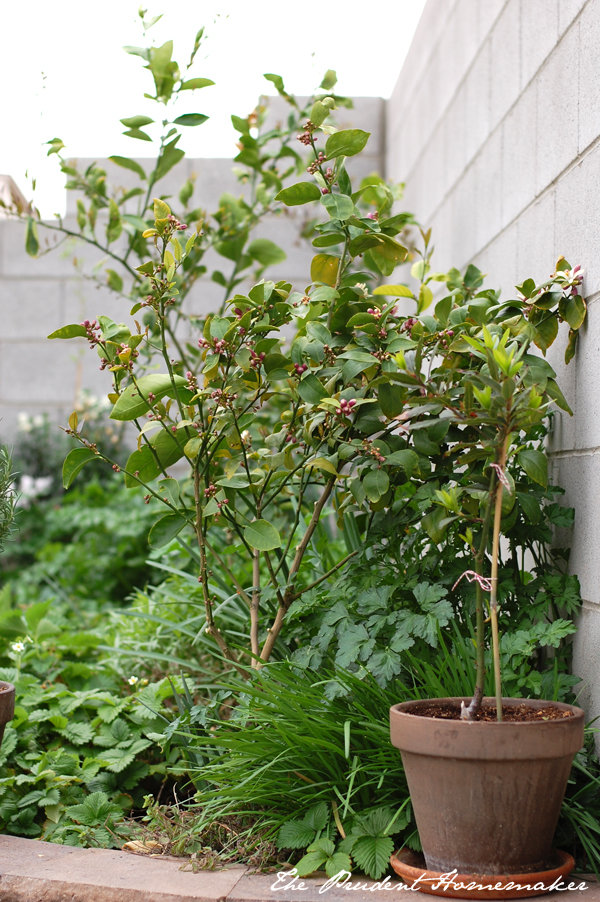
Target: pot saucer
{"x":410,"y":866}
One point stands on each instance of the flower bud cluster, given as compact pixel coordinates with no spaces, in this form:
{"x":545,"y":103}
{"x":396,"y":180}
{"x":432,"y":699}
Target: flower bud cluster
{"x":317,"y":163}
{"x":256,"y":359}
{"x":345,"y":408}
{"x":300,"y":368}
{"x":175,"y":225}
{"x":307,"y":135}
{"x":92,"y":330}
{"x":373,"y":452}
{"x":374,"y":311}
{"x":408,"y":324}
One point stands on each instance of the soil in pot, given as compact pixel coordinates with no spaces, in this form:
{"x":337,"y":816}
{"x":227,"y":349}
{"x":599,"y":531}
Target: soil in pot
{"x":487,"y":795}
{"x":521,"y":713}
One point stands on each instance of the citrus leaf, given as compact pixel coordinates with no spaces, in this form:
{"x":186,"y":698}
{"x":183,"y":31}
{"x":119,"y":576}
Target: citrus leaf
{"x":262,"y":535}
{"x":324,"y":268}
{"x":133,"y":402}
{"x":301,"y":193}
{"x":126,"y":163}
{"x":72,"y":331}
{"x":165,"y":530}
{"x":74,"y":462}
{"x":346,"y":143}
{"x":535,"y":464}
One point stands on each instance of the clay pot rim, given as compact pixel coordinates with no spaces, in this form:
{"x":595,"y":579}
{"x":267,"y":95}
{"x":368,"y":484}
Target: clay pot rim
{"x":403,"y":708}
{"x":410,"y":873}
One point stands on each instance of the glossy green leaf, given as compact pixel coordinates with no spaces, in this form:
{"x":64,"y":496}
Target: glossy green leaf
{"x":192,"y":84}
{"x":74,"y":330}
{"x":32,"y":244}
{"x":127,"y":163}
{"x":136,"y":121}
{"x":376,"y":483}
{"x":262,"y":535}
{"x":339,"y":206}
{"x":346,"y":143}
{"x":302,"y":193}
{"x":74,"y":462}
{"x":575,"y":310}
{"x":324,"y":268}
{"x":190,"y":119}
{"x":311,"y":390}
{"x":137,"y":133}
{"x":266,"y":252}
{"x":391,"y":399}
{"x":394,"y":291}
{"x":165,"y":530}
{"x":133,"y":402}
{"x":535,"y":464}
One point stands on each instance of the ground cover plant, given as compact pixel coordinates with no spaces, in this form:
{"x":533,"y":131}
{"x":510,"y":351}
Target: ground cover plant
{"x":337,"y":460}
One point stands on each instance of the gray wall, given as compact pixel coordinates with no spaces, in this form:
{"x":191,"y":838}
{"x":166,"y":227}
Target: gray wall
{"x":38,"y":296}
{"x":494,"y":125}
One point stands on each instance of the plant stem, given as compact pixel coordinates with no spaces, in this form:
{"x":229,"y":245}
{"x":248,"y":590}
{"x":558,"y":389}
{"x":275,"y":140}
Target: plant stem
{"x":494,"y":582}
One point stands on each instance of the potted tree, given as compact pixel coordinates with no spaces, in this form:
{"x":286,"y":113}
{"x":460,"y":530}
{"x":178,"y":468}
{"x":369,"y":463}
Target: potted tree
{"x":487,"y":775}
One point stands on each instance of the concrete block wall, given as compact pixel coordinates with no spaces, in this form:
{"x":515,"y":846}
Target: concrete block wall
{"x":38,"y":296}
{"x":494,"y":125}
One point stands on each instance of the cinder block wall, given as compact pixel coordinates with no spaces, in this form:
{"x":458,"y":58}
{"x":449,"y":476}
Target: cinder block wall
{"x":38,"y":296}
{"x":494,"y":124}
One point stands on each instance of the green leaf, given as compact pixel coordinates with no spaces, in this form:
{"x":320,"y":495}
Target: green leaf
{"x":262,"y":535}
{"x":339,"y":861}
{"x":557,"y":396}
{"x":391,"y":399}
{"x":311,"y":390}
{"x":346,"y":143}
{"x":114,"y":280}
{"x":376,"y":484}
{"x":295,"y":835}
{"x":301,"y":193}
{"x":535,"y":464}
{"x":407,"y":459}
{"x":136,"y":121}
{"x":394,"y":291}
{"x":161,"y":211}
{"x":372,"y":854}
{"x":547,"y":330}
{"x":126,"y":163}
{"x":329,"y":80}
{"x":574,"y":312}
{"x":32,"y":244}
{"x":571,"y":345}
{"x":137,"y":133}
{"x":190,"y":119}
{"x":169,"y":158}
{"x":311,"y":862}
{"x":165,"y":530}
{"x":75,"y":330}
{"x":324,"y":268}
{"x":339,"y":206}
{"x":165,"y":452}
{"x":266,"y":252}
{"x":435,"y":523}
{"x":133,"y":402}
{"x":317,"y":816}
{"x":74,"y":462}
{"x":193,"y":84}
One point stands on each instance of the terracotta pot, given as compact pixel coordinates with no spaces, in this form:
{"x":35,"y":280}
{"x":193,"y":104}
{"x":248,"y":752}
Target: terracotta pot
{"x":7,"y":705}
{"x":411,"y":867}
{"x":486,"y":795}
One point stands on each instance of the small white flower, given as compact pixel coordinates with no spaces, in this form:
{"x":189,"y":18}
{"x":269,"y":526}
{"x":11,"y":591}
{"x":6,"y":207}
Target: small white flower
{"x":18,"y":647}
{"x":132,"y":680}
